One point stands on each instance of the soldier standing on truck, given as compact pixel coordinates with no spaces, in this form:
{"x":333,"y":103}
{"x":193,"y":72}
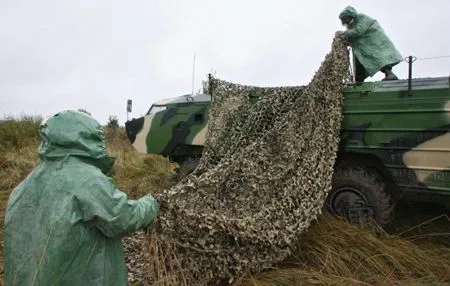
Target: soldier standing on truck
{"x":373,"y":51}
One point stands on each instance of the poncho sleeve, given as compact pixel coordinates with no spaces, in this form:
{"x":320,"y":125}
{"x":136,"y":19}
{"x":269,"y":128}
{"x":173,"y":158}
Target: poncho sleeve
{"x":108,"y":209}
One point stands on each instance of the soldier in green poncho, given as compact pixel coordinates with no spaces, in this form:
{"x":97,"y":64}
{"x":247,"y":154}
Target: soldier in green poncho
{"x":64,"y":222}
{"x":373,"y":51}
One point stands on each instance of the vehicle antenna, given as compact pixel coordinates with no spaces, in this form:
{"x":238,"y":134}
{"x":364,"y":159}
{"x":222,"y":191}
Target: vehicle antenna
{"x":193,"y":74}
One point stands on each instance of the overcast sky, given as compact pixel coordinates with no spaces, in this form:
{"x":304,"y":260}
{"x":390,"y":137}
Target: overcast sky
{"x":96,"y":54}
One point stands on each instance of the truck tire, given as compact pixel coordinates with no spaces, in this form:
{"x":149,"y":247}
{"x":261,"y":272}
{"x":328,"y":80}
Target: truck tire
{"x":357,"y":194}
{"x":187,"y":167}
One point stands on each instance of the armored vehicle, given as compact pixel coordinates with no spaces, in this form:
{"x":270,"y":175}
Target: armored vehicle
{"x":395,"y":143}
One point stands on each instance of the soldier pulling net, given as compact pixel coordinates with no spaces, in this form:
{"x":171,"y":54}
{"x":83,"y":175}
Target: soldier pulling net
{"x":264,"y":175}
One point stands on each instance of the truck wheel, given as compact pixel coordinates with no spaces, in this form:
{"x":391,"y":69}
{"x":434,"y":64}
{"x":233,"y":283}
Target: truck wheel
{"x":358,"y":194}
{"x":187,"y":167}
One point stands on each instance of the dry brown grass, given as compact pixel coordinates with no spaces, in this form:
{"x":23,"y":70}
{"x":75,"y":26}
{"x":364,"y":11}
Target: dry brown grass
{"x":331,"y":252}
{"x":137,"y":174}
{"x":164,"y":268}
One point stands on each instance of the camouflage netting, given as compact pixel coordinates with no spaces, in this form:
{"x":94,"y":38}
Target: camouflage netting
{"x":264,"y":175}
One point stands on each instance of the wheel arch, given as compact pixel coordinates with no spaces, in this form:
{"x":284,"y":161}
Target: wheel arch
{"x":372,"y":163}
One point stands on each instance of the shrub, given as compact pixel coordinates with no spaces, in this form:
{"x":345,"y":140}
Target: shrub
{"x":113,"y":122}
{"x":20,"y":132}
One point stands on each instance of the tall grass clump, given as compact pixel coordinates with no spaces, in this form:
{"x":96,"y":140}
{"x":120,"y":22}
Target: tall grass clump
{"x":19,"y":132}
{"x":333,"y":252}
{"x":19,"y":140}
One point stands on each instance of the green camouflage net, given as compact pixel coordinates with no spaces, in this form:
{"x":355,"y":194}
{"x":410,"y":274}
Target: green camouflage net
{"x":264,"y":175}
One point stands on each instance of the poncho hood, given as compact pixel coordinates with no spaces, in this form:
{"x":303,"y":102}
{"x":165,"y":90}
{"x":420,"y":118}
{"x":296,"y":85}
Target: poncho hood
{"x":74,"y":133}
{"x":348,"y":11}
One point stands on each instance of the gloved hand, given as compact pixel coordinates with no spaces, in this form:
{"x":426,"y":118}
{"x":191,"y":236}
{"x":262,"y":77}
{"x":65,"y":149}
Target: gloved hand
{"x":341,"y":34}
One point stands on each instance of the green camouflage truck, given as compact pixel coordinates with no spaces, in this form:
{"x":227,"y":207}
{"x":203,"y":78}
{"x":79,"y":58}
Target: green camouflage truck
{"x":395,"y":143}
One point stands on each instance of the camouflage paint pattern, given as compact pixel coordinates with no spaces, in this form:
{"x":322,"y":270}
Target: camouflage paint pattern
{"x":408,"y":134}
{"x":182,"y":123}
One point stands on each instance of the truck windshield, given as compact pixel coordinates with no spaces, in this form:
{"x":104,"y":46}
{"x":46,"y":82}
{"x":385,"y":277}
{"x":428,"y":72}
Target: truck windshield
{"x":156,"y":108}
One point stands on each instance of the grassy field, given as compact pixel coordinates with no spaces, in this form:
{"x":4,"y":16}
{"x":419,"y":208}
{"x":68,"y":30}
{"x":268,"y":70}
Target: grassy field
{"x":414,"y":250}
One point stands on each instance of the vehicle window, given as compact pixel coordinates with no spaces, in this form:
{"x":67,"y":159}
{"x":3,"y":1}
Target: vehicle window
{"x":156,"y":108}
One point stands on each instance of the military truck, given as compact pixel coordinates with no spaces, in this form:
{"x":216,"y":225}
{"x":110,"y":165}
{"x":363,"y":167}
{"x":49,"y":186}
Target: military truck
{"x":395,"y":143}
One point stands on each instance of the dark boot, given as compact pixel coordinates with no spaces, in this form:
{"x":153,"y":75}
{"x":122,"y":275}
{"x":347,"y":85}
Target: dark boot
{"x":360,"y":72}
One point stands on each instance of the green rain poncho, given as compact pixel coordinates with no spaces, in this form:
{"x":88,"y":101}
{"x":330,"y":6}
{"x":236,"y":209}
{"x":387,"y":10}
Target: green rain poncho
{"x":64,"y":222}
{"x":369,"y":43}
